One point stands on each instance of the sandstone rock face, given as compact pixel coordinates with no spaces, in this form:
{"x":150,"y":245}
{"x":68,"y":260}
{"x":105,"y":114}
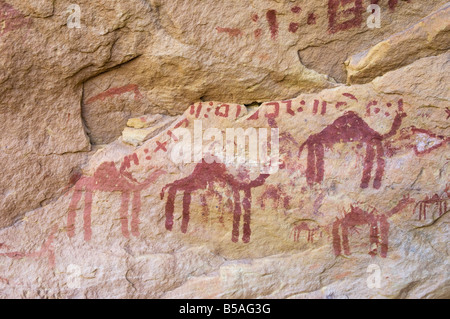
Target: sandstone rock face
{"x":122,"y":177}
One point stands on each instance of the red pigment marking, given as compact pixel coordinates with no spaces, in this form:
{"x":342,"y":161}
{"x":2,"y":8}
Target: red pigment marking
{"x":311,"y":19}
{"x":297,"y":230}
{"x":184,"y":122}
{"x":289,"y":109}
{"x":447,"y":110}
{"x":293,"y":27}
{"x":258,"y":33}
{"x":324,"y":108}
{"x":146,"y":150}
{"x":334,"y":16}
{"x":161,"y":146}
{"x":387,"y":114}
{"x":117,"y":91}
{"x":393,"y":4}
{"x":192,"y":109}
{"x":254,"y":116}
{"x":205,"y":174}
{"x":389,"y":104}
{"x":255,"y":17}
{"x":440,"y":201}
{"x":347,"y":129}
{"x":170,"y":133}
{"x":271,"y":17}
{"x":316,"y":106}
{"x":379,"y":228}
{"x":369,"y":105}
{"x":222,"y":114}
{"x":107,"y":178}
{"x":377,"y":110}
{"x":350,"y":96}
{"x":302,"y":102}
{"x":206,"y":116}
{"x":46,"y":248}
{"x":430,"y":134}
{"x":208,"y":109}
{"x":296,"y":9}
{"x":11,"y":19}
{"x":277,"y":195}
{"x":199,"y":109}
{"x":238,"y":111}
{"x":211,"y":103}
{"x":148,"y":158}
{"x":300,"y":109}
{"x":231,"y":32}
{"x":339,"y":104}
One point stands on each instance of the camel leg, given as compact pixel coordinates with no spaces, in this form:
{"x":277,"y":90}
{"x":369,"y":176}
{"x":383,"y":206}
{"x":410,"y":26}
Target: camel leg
{"x":87,"y":215}
{"x":72,"y":211}
{"x":373,"y":239}
{"x":368,"y":165}
{"x":336,"y":239}
{"x":135,"y":210}
{"x":186,"y":207}
{"x":124,"y":214}
{"x":236,"y":217}
{"x":205,"y":209}
{"x":384,"y":236}
{"x":320,"y":164}
{"x":380,"y":167}
{"x":170,"y":206}
{"x":247,"y":205}
{"x":311,"y":165}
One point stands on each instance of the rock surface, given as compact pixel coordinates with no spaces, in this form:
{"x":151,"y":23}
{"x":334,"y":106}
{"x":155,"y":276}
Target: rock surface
{"x":95,"y":202}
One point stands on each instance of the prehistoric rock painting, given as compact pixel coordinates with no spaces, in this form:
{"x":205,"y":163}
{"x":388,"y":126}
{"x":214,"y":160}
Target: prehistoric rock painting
{"x":377,"y":222}
{"x":342,"y":15}
{"x":347,"y":129}
{"x":419,"y":140}
{"x":277,"y":195}
{"x":438,"y":201}
{"x":108,"y":179}
{"x":204,"y":176}
{"x":46,"y":249}
{"x":310,"y":230}
{"x":116,"y":92}
{"x":11,"y":19}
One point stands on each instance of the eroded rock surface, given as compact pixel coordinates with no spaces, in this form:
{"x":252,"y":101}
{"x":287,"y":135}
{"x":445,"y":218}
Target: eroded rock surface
{"x":96,"y":120}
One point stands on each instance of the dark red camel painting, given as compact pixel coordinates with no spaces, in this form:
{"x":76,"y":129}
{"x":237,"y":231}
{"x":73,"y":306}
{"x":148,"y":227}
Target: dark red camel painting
{"x":346,"y":129}
{"x":378,"y":223}
{"x":204,"y":176}
{"x":108,"y":179}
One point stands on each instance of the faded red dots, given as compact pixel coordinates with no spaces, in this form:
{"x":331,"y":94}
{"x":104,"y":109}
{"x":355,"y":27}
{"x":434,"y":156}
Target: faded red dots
{"x":311,"y":19}
{"x":271,"y":17}
{"x":206,"y":174}
{"x":255,"y":17}
{"x":293,"y":27}
{"x":296,"y":9}
{"x":258,"y":33}
{"x":232,"y":32}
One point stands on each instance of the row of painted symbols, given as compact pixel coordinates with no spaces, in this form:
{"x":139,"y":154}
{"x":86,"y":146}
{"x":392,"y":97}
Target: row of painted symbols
{"x":338,"y":15}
